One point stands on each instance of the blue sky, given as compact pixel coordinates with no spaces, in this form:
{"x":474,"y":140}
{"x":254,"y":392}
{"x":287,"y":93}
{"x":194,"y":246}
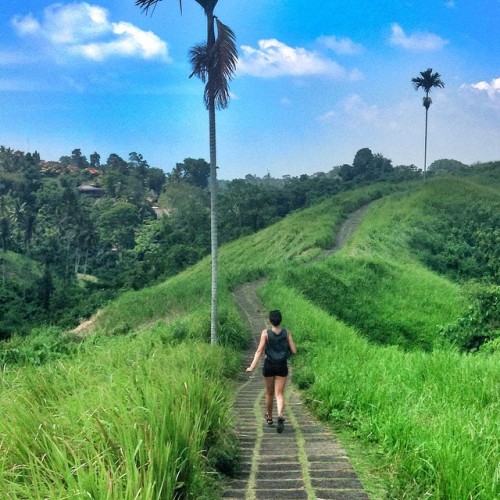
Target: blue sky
{"x":316,"y":82}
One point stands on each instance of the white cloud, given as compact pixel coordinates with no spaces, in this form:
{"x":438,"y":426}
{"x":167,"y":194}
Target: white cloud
{"x":423,"y":42}
{"x":492,"y":88}
{"x":450,"y":4}
{"x":355,"y":112}
{"x":85,"y":30}
{"x":274,"y":58}
{"x":130,"y":41}
{"x":341,"y":46}
{"x":27,"y":25}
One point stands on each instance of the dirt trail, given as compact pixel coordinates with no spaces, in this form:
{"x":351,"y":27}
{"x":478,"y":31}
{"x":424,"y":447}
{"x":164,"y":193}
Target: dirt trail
{"x":346,"y":230}
{"x":306,"y":461}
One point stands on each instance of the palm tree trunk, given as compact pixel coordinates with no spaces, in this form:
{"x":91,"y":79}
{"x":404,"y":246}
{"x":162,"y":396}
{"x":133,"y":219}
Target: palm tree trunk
{"x":78,"y":258}
{"x":213,"y":188}
{"x":425,"y":146}
{"x":213,"y":223}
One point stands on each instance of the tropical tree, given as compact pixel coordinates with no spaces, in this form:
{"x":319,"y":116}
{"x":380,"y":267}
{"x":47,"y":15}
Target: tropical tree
{"x":194,"y":172}
{"x":214,"y":62}
{"x":7,"y":217}
{"x":427,"y":81}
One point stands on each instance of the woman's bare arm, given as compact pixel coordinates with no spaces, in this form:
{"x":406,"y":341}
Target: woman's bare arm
{"x":260,"y":350}
{"x":292,"y":343}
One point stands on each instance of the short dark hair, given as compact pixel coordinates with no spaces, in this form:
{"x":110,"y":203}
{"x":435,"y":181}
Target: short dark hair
{"x":275,"y":317}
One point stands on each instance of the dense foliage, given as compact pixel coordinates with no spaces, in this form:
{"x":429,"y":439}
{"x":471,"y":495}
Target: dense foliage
{"x":77,"y":231}
{"x":65,"y":234}
{"x":142,"y":407}
{"x":460,"y":238}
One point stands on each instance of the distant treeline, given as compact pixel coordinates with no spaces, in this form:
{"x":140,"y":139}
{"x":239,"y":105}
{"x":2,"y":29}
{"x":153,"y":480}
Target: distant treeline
{"x":77,"y":231}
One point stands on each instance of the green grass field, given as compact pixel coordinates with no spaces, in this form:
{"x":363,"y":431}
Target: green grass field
{"x":142,"y":407}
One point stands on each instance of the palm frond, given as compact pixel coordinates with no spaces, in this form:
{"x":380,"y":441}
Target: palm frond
{"x":146,"y":5}
{"x":427,"y":81}
{"x":223,"y":63}
{"x":417,"y":83}
{"x":225,"y":49}
{"x":216,"y":66}
{"x":198,"y":57}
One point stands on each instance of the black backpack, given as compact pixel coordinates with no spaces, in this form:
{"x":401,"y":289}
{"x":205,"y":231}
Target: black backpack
{"x":281,"y":355}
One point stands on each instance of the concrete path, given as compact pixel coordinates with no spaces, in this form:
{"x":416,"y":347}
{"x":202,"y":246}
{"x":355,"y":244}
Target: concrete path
{"x":306,"y":461}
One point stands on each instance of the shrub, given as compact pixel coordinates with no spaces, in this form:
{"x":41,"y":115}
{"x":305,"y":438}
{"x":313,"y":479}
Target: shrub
{"x":481,"y":322}
{"x":41,"y":346}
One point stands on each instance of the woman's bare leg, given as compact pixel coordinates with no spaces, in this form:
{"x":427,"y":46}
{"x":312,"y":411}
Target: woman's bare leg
{"x":269,"y":395}
{"x":279,"y":390}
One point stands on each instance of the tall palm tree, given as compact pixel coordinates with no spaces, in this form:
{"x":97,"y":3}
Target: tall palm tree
{"x":427,"y":81}
{"x":214,"y":62}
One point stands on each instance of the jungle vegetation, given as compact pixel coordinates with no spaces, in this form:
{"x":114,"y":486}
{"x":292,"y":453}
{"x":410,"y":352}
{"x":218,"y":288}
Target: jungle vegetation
{"x":398,"y":331}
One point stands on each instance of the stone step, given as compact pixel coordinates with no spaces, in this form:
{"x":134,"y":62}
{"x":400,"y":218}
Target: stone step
{"x":305,"y":461}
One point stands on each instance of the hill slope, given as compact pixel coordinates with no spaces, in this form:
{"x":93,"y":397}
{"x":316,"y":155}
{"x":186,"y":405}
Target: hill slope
{"x":410,"y":406}
{"x":431,"y":416}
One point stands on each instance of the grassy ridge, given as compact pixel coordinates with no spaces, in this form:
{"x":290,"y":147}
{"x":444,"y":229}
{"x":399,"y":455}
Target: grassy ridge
{"x":145,"y":413}
{"x":298,"y":238}
{"x":375,"y":283}
{"x":432,"y":416}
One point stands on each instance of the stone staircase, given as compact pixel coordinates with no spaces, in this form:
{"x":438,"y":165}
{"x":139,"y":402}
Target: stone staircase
{"x":306,"y":461}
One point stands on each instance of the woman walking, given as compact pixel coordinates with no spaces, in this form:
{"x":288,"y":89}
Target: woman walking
{"x":278,"y":345}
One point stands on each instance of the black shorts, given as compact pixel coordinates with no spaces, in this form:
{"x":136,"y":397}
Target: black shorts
{"x":275,"y":369}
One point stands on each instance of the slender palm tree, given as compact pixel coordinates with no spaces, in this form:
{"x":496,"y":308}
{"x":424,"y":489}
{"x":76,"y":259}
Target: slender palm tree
{"x":427,"y":81}
{"x":214,"y":62}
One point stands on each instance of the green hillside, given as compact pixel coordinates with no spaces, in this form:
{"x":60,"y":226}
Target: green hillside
{"x":143,"y":403}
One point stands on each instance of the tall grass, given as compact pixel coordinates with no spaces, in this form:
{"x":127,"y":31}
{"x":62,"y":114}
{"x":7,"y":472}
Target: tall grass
{"x":376,"y":284}
{"x":182,"y":303}
{"x":434,"y":416}
{"x":143,"y":409}
{"x":132,"y":417}
{"x":41,"y":346}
